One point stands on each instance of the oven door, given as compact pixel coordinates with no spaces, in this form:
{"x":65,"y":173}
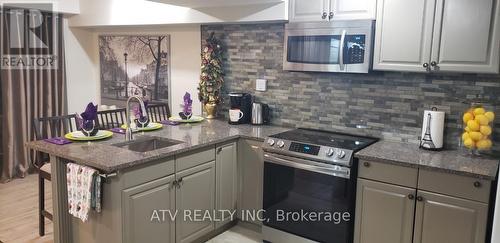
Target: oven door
{"x":294,"y":187}
{"x":334,"y":49}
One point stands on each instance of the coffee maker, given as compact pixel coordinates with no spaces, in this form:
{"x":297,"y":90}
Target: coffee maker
{"x":243,"y":102}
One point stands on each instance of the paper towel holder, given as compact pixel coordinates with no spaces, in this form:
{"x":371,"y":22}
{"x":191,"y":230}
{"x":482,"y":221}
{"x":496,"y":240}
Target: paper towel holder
{"x":426,"y":140}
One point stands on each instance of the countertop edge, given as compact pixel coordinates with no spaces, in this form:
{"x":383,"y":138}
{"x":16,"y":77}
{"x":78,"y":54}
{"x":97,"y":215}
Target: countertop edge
{"x":34,"y":146}
{"x":426,"y":167}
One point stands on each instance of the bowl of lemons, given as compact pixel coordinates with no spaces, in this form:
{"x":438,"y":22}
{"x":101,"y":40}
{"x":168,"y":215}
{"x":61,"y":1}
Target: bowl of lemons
{"x":478,"y":128}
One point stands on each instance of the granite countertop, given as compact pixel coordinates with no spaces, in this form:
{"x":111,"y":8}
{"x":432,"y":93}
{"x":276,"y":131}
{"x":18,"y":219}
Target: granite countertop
{"x":451,"y":161}
{"x":107,"y":158}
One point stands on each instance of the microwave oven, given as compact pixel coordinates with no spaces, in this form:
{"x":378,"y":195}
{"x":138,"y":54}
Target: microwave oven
{"x":338,"y":46}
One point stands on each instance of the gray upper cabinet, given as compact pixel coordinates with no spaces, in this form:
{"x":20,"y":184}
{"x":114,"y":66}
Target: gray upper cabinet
{"x":466,"y":36}
{"x":384,"y":213}
{"x":437,"y":35}
{"x":195,"y":191}
{"x":403,"y":36}
{"x":138,"y":205}
{"x":308,"y":10}
{"x":465,"y":220}
{"x":226,"y":180}
{"x":251,"y":174}
{"x":329,"y":10}
{"x":353,"y":9}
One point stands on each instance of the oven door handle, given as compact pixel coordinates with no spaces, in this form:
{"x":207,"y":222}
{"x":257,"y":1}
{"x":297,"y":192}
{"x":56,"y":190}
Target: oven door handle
{"x":332,"y":170}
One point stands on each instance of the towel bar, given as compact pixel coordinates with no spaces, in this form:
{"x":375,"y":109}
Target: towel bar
{"x":106,"y":176}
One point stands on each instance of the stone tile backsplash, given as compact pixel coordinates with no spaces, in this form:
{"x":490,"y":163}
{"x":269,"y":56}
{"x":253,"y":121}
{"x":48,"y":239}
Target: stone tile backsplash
{"x":389,"y":104}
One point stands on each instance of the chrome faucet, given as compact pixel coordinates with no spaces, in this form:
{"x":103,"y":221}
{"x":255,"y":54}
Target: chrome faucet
{"x":128,"y":131}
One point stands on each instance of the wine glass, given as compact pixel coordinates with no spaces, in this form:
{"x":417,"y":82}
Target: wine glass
{"x":87,"y":128}
{"x":142,"y":121}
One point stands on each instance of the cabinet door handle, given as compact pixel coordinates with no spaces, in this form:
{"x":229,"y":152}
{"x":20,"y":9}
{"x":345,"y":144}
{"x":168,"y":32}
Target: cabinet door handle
{"x":411,"y":196}
{"x":219,"y":150}
{"x":255,"y":147}
{"x":366,"y":164}
{"x":420,"y":198}
{"x":477,"y":184}
{"x":433,"y":63}
{"x":425,"y":65}
{"x":330,"y":16}
{"x":173,"y":185}
{"x":178,"y":183}
{"x":324,"y":15}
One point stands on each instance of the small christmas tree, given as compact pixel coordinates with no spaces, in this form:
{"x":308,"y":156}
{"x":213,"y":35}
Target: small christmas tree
{"x":212,"y":75}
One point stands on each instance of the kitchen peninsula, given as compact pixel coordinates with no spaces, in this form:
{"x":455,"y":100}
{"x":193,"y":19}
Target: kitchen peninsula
{"x":197,"y":173}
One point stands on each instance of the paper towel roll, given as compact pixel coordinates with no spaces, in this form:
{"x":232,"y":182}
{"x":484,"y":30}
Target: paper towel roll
{"x":432,"y":130}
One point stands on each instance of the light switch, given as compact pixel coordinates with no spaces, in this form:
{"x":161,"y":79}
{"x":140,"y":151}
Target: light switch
{"x":260,"y":85}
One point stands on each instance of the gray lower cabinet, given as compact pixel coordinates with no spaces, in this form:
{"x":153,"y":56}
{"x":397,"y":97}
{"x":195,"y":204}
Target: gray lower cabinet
{"x":384,"y":213}
{"x":440,"y":218}
{"x":393,"y":206}
{"x":226,"y":181}
{"x":139,"y":203}
{"x":195,"y":191}
{"x":251,"y":174}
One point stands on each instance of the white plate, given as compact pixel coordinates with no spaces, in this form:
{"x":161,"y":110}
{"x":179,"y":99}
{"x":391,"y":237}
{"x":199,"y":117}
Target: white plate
{"x":79,"y":134}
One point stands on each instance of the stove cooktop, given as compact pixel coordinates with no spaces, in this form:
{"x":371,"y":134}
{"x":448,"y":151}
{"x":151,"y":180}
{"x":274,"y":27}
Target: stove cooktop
{"x":322,"y":146}
{"x":326,"y":138}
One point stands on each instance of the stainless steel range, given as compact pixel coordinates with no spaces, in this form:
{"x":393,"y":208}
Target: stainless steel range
{"x":310,"y":186}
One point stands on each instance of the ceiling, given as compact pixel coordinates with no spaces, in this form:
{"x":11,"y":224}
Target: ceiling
{"x":214,"y":3}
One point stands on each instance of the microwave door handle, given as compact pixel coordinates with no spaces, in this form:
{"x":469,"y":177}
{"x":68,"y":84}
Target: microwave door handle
{"x":341,"y":54}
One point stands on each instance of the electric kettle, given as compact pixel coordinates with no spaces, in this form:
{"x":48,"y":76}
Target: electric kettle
{"x":260,"y":114}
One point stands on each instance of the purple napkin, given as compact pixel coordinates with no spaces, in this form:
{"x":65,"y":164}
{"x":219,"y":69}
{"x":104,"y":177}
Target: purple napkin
{"x":57,"y":140}
{"x":138,"y":111}
{"x":118,"y":130}
{"x":90,"y":113}
{"x":168,"y":122}
{"x":188,"y":104}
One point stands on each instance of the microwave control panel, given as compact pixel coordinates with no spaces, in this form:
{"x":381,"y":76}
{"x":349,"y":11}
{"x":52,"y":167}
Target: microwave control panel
{"x":354,"y":49}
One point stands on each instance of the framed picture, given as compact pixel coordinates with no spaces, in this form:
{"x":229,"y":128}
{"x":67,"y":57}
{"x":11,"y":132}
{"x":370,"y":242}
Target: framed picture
{"x":134,"y":65}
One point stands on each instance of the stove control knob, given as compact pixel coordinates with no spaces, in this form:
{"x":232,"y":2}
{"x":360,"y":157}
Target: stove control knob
{"x":330,"y":152}
{"x":340,"y":154}
{"x":280,"y":143}
{"x":270,"y":142}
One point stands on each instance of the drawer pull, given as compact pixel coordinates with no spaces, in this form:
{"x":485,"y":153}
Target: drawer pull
{"x":477,"y":184}
{"x":324,"y":15}
{"x":420,"y":198}
{"x":366,"y":164}
{"x":411,"y":197}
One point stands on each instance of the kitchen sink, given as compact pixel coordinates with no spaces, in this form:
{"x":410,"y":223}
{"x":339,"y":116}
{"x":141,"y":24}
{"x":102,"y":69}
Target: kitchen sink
{"x":145,"y":144}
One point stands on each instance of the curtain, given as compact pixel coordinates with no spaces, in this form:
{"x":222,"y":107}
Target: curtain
{"x":29,"y":93}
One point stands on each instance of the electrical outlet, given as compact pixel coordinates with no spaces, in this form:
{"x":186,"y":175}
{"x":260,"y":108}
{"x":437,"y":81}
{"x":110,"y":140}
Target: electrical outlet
{"x":261,"y":85}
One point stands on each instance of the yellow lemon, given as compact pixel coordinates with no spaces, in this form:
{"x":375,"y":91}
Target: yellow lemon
{"x":476,"y":136}
{"x":485,"y":130}
{"x":490,"y":115}
{"x":465,"y":136}
{"x":467,"y":117}
{"x":482,"y":120}
{"x":473,"y":125}
{"x":467,"y":129}
{"x":469,"y":143}
{"x":479,"y":111}
{"x":484,"y":144}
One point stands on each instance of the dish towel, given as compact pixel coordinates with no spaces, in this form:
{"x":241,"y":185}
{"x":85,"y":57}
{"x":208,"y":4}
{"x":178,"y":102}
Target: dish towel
{"x":81,"y":183}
